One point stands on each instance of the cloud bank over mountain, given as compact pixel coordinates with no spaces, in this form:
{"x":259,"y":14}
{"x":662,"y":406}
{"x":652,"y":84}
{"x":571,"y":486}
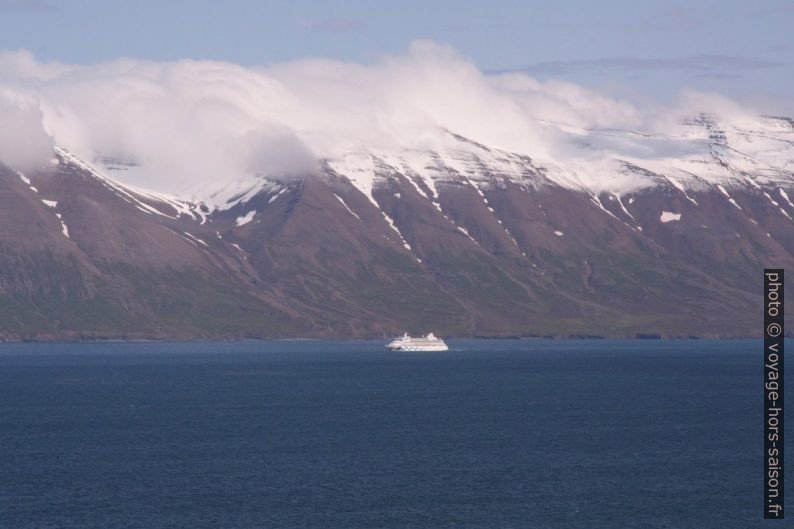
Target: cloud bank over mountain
{"x":24,"y":144}
{"x":191,"y":123}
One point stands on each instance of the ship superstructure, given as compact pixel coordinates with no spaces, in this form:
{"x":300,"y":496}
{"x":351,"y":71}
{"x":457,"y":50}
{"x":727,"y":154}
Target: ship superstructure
{"x":425,"y":343}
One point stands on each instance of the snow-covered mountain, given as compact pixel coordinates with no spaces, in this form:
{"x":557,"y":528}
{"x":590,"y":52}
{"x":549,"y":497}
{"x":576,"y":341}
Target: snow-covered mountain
{"x":698,"y":153}
{"x":612,"y":233}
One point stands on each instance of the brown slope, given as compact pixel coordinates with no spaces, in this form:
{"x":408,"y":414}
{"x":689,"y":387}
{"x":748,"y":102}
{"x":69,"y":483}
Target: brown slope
{"x":348,"y":272}
{"x":121,"y":272}
{"x":321,"y":259}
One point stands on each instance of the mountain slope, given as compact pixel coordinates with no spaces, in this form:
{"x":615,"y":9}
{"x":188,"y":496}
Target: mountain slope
{"x":659,"y":236}
{"x":79,"y":260}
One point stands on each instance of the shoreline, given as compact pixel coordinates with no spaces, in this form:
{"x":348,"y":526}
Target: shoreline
{"x":281,"y":340}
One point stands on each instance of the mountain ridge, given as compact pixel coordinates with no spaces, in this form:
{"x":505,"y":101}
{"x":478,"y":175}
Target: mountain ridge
{"x":468,"y":241}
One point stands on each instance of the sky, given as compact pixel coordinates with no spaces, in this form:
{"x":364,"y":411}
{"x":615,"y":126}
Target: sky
{"x":620,"y":47}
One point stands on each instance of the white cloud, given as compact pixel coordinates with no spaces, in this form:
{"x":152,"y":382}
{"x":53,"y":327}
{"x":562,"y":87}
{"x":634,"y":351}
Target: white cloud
{"x":188,"y":124}
{"x":23,"y":143}
{"x":21,"y":66}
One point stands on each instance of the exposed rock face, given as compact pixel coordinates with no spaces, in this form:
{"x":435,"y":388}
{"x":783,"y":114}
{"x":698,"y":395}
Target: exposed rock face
{"x":475,"y":242}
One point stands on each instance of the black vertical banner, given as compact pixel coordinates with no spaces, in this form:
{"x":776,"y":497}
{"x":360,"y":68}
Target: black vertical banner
{"x":773,"y":394}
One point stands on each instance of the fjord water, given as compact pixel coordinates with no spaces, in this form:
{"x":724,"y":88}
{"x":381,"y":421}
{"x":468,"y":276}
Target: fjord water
{"x":495,"y":433}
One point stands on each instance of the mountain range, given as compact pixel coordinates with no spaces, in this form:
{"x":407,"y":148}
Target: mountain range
{"x":633,"y":234}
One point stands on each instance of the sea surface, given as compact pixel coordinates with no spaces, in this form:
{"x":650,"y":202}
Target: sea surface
{"x":493,"y":434}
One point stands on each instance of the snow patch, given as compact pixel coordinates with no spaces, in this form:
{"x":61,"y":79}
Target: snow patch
{"x":245,"y":219}
{"x":127,"y":193}
{"x":681,"y":188}
{"x":346,"y":206}
{"x":515,"y":242}
{"x":465,"y":232}
{"x":360,"y":170}
{"x":396,"y":230}
{"x":785,"y":196}
{"x":626,"y":211}
{"x":669,"y":216}
{"x":772,"y":200}
{"x":196,"y":239}
{"x":730,"y":199}
{"x":594,"y":199}
{"x":274,"y":197}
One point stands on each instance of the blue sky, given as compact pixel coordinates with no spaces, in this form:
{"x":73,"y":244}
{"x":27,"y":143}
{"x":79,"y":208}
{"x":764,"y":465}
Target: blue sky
{"x":742,"y":49}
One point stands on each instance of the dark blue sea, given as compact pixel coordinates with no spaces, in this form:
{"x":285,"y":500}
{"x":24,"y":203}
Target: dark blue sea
{"x":494,"y":434}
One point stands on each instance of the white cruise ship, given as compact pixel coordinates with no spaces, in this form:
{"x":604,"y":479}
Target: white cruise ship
{"x":409,"y":343}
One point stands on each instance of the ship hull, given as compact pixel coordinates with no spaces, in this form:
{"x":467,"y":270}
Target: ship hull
{"x":418,"y":348}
